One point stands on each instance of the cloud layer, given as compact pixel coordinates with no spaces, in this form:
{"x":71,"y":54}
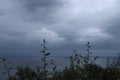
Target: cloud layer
{"x":63,"y":22}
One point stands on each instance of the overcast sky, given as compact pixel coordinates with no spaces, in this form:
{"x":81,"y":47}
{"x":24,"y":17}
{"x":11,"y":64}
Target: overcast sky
{"x":65,"y":24}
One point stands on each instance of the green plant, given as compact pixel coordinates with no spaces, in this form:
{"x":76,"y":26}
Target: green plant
{"x":7,"y":69}
{"x":25,"y":73}
{"x":45,"y":52}
{"x":82,"y":67}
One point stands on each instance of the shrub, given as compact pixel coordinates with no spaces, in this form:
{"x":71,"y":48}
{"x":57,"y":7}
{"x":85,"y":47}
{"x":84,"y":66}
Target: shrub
{"x":80,"y":68}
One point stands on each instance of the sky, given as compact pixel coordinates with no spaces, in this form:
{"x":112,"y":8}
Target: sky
{"x":65,"y":24}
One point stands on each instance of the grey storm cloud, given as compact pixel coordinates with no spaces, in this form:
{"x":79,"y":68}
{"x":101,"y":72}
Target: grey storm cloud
{"x":40,"y":10}
{"x":62,"y":22}
{"x":32,"y":6}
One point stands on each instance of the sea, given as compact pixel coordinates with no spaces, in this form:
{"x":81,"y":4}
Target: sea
{"x":60,"y":62}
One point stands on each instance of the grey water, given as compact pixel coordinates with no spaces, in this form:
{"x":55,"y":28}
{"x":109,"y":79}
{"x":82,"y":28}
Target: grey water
{"x":61,"y":62}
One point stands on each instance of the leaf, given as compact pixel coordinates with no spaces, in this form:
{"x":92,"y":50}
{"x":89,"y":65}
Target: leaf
{"x":10,"y":68}
{"x":47,"y":54}
{"x":3,"y":73}
{"x":95,"y":58}
{"x":43,"y":51}
{"x":3,"y":59}
{"x":88,"y":42}
{"x":54,"y":68}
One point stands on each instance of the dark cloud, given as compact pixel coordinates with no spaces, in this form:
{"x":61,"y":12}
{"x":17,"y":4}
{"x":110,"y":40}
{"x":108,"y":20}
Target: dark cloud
{"x":35,"y":5}
{"x":40,"y":10}
{"x":66,"y":24}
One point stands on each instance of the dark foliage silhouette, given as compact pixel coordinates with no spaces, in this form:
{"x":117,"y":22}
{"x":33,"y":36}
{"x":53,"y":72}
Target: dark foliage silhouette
{"x":82,"y":67}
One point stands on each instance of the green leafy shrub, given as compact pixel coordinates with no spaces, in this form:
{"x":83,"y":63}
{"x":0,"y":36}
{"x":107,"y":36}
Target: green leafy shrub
{"x":25,"y":73}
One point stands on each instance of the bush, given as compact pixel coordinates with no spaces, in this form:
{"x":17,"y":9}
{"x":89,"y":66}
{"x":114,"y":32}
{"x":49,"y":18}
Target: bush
{"x":81,"y":68}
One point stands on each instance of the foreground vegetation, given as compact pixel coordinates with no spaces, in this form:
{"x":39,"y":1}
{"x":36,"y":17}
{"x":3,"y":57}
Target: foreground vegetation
{"x":80,"y":68}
